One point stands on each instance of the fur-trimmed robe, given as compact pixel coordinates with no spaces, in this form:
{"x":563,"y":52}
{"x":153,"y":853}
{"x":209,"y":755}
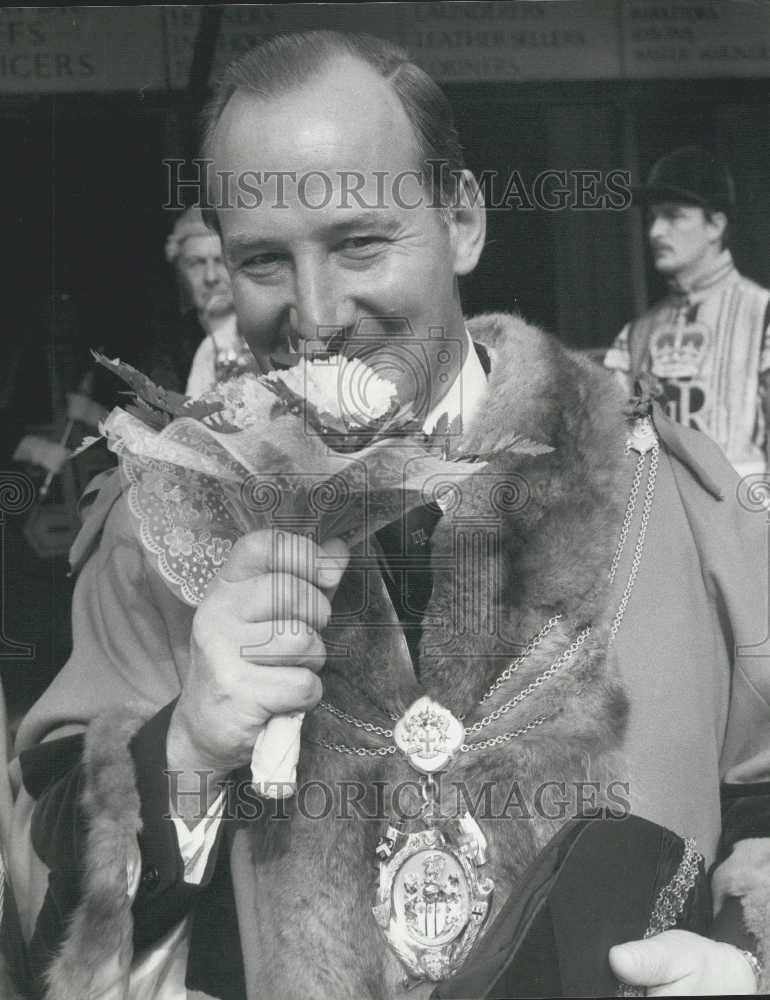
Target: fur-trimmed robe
{"x":672,"y":709}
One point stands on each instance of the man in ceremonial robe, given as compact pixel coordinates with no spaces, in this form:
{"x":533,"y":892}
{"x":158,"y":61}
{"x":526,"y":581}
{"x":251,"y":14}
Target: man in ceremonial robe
{"x":132,"y":878}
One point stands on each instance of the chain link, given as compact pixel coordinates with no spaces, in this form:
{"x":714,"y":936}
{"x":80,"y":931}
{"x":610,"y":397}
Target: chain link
{"x":628,"y":516}
{"x":368,"y":727}
{"x":356,"y":751}
{"x":494,"y":741}
{"x":639,"y":547}
{"x":557,"y":664}
{"x":528,"y":650}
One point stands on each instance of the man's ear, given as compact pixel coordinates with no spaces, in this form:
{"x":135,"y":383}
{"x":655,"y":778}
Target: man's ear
{"x":717,"y":222}
{"x":468,"y":224}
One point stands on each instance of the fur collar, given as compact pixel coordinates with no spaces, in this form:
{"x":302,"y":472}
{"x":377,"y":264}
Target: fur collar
{"x":95,"y":955}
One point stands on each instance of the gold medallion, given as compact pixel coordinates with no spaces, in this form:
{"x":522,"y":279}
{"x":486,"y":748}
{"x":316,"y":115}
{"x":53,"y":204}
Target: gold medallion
{"x":431,"y":904}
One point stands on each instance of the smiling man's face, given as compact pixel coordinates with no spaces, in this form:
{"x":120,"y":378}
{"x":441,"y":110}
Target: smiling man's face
{"x":313,"y":258}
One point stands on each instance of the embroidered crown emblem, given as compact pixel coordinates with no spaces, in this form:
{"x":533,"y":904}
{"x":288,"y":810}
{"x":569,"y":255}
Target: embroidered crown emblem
{"x":679,"y":352}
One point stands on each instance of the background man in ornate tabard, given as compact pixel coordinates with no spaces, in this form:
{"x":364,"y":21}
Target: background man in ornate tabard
{"x":707,"y":341}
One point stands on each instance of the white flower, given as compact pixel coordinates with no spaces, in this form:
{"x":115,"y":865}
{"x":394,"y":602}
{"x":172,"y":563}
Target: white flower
{"x":367,"y":396}
{"x":344,"y":388}
{"x":240,"y":396}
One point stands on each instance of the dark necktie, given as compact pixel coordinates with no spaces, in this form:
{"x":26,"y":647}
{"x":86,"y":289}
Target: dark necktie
{"x":407,"y":570}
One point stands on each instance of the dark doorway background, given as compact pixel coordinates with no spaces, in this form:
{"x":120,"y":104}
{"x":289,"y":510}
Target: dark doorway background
{"x":83,"y":266}
{"x":82,"y":180}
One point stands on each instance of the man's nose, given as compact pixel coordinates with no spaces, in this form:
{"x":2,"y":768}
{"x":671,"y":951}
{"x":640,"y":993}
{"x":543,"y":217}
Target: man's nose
{"x":321,"y":308}
{"x":214,"y":272}
{"x":657,"y":228}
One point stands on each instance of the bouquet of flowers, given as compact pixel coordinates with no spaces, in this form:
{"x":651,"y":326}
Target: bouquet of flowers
{"x":321,"y":448}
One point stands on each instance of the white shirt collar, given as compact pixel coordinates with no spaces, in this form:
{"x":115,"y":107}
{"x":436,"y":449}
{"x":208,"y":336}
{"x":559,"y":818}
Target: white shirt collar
{"x":465,"y":395}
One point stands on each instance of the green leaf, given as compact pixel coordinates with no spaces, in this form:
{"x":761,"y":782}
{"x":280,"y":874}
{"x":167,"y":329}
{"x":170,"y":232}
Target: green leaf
{"x":155,"y":405}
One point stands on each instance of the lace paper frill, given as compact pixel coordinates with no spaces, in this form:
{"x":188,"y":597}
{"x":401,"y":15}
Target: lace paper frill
{"x":183,"y":514}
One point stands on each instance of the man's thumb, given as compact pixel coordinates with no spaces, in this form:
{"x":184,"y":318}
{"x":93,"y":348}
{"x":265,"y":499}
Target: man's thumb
{"x":643,"y":963}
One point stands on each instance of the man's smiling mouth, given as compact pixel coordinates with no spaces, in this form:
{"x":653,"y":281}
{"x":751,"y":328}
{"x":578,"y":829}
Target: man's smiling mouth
{"x":292,"y":348}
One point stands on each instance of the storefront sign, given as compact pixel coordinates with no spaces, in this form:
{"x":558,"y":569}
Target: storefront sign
{"x":135,"y":48}
{"x":701,"y":39}
{"x":56,"y":49}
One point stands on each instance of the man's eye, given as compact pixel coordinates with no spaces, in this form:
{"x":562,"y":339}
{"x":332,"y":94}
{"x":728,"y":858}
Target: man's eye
{"x":359,"y":244}
{"x":263,"y":263}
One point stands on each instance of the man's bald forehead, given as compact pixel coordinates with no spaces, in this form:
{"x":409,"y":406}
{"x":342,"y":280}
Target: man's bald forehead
{"x":372,"y":82}
{"x":340,"y":95}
